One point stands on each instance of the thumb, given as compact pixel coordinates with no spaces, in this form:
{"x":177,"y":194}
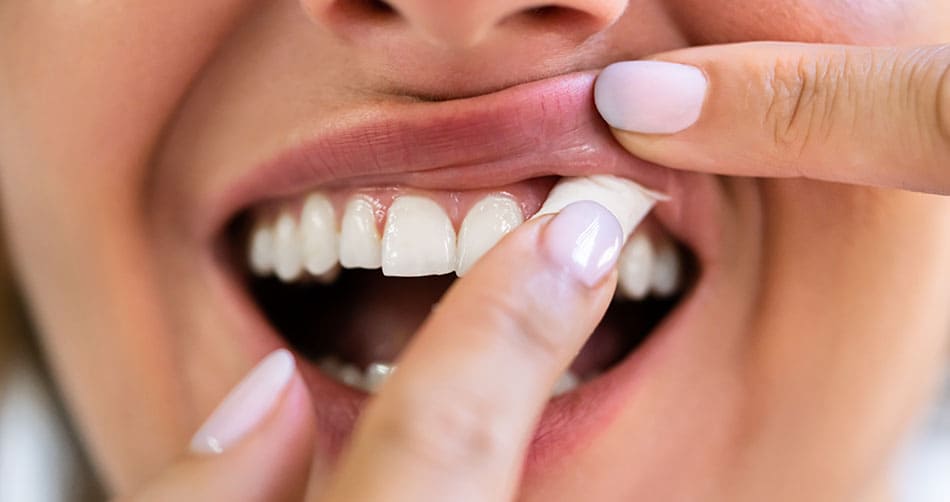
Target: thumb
{"x":256,"y":445}
{"x":871,"y":116}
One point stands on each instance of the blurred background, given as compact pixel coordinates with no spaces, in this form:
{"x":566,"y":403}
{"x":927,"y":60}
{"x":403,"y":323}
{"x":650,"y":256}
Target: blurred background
{"x":40,"y":459}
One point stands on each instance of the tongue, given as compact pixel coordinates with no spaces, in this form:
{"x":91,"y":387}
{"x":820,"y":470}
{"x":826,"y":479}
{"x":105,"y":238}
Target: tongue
{"x":361,"y":318}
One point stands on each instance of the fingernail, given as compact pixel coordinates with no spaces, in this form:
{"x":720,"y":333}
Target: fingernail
{"x":246,"y":405}
{"x":650,"y":97}
{"x":585,"y":238}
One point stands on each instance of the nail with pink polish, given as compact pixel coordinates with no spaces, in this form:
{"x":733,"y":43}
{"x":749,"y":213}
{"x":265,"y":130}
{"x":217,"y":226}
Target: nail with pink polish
{"x":650,"y":97}
{"x":246,"y":405}
{"x":584,"y":238}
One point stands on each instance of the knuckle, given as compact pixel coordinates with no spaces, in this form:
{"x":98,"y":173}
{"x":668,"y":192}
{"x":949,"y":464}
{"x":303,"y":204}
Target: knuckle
{"x":802,"y":98}
{"x":457,"y":429}
{"x":920,"y":87}
{"x":943,"y":99}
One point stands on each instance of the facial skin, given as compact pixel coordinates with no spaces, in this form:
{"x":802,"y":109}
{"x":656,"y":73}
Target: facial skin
{"x":818,"y":336}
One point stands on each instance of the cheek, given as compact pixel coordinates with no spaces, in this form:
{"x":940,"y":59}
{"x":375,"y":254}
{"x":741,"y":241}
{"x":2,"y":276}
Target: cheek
{"x":838,"y":21}
{"x":849,"y":318}
{"x":850,"y":291}
{"x":78,"y":119}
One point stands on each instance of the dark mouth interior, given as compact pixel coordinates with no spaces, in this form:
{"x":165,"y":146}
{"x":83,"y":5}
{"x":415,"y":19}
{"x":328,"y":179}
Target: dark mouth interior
{"x":364,"y":317}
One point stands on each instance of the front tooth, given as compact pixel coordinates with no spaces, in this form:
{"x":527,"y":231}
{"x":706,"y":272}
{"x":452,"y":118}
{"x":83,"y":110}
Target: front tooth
{"x":418,"y":240}
{"x":359,"y":239}
{"x":318,"y":235}
{"x":567,"y":382}
{"x":665,"y":279}
{"x":375,"y":375}
{"x":261,"y":253}
{"x":628,"y":201}
{"x":635,"y":268}
{"x":287,"y":260}
{"x":485,"y":224}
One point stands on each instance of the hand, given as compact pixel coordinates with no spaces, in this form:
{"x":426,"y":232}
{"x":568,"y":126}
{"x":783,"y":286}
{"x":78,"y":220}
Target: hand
{"x":867,"y":116}
{"x":456,"y":419}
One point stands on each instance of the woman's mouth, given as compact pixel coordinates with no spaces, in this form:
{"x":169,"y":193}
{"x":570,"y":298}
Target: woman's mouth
{"x":341,"y":248}
{"x":349,"y":291}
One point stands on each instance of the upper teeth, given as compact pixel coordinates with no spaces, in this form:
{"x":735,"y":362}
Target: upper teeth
{"x":635,"y":267}
{"x":665,"y":277}
{"x":262,"y":249}
{"x":486,"y":223}
{"x":648,"y":264}
{"x":359,"y":239}
{"x":318,"y":235}
{"x":419,"y":237}
{"x":287,"y":261}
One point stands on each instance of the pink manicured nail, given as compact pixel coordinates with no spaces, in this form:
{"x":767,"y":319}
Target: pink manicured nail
{"x":585,"y":238}
{"x":650,"y":97}
{"x":246,"y":405}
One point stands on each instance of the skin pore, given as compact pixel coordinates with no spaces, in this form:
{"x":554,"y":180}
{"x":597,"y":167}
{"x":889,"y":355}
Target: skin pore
{"x":818,"y":337}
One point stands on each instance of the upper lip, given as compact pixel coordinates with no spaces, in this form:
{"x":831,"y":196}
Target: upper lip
{"x":540,"y":128}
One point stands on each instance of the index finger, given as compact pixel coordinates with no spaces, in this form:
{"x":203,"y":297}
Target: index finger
{"x":859,"y":115}
{"x":457,"y":416}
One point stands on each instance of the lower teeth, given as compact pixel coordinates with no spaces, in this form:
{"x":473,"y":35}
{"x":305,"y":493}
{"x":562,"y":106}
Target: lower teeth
{"x":375,"y":374}
{"x":349,"y":374}
{"x":567,"y":382}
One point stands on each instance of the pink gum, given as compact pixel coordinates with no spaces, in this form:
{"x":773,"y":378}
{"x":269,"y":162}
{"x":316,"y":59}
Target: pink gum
{"x":528,"y":194}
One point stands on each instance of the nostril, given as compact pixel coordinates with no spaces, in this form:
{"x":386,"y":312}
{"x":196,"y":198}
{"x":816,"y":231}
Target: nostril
{"x":379,"y":6}
{"x":466,"y":23}
{"x":566,"y":21}
{"x":360,"y":11}
{"x":545,"y":11}
{"x":567,"y":18}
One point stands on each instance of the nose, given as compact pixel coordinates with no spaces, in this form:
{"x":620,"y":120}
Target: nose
{"x":463,"y":24}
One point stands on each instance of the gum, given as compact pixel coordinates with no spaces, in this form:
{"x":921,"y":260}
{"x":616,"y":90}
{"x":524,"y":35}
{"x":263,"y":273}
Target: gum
{"x":528,"y":194}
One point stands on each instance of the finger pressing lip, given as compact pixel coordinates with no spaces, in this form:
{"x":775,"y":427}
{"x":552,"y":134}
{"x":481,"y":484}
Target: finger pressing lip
{"x":457,"y":416}
{"x":859,"y":115}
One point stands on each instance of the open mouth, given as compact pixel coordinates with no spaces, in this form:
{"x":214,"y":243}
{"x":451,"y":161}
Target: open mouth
{"x":340,"y":247}
{"x":346,"y":276}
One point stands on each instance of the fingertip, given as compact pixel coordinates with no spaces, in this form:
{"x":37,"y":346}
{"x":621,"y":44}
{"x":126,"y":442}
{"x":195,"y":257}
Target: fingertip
{"x":257,"y":445}
{"x":650,"y":97}
{"x":584,"y":239}
{"x":246,"y":405}
{"x":276,"y":458}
